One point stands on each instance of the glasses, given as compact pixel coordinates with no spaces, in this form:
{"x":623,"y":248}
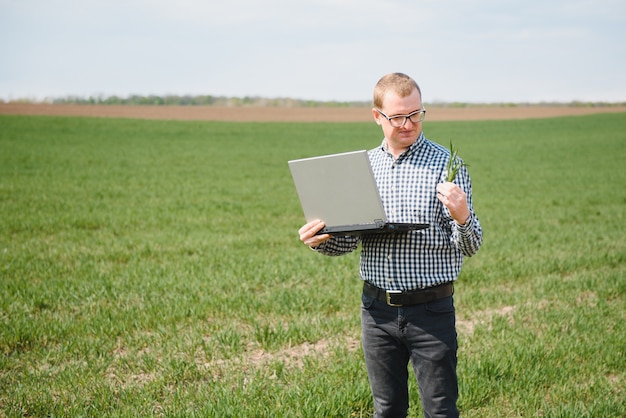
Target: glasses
{"x":399,"y":120}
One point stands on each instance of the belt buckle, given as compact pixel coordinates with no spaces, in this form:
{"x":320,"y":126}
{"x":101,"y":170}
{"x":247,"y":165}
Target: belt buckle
{"x":389,"y":293}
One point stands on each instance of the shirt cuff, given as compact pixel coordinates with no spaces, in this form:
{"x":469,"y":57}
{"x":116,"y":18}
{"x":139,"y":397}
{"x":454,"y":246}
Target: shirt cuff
{"x":467,"y":224}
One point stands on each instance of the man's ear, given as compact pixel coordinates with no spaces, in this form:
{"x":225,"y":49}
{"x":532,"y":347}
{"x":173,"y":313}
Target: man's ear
{"x":377,"y":116}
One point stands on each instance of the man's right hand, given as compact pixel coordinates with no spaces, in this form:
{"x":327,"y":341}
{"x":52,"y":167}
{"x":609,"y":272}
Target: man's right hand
{"x":308,"y":231}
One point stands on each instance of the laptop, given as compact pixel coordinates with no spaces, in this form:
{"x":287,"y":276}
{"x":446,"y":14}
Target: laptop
{"x":340,"y":189}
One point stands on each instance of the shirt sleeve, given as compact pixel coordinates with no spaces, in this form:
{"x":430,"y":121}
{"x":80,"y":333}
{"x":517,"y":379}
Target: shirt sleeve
{"x":467,"y":238}
{"x":336,"y":246}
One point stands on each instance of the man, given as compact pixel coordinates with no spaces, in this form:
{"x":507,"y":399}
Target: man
{"x":407,"y":309}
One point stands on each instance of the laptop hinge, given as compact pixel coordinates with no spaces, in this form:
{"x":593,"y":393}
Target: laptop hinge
{"x":380,"y":223}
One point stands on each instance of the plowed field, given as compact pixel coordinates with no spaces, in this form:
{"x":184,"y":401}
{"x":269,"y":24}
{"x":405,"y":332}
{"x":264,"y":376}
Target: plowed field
{"x":308,"y":114}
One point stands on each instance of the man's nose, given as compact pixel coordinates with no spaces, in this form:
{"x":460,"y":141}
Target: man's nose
{"x":408,"y":124}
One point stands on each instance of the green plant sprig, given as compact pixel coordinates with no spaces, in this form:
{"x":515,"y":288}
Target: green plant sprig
{"x":454,"y":164}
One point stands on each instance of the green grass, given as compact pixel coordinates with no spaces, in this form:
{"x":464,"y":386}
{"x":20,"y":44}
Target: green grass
{"x":153,"y":268}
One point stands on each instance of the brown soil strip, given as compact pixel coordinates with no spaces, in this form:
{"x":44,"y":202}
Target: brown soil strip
{"x":312,"y":114}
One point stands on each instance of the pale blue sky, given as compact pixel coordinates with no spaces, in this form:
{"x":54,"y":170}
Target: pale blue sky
{"x":467,"y":51}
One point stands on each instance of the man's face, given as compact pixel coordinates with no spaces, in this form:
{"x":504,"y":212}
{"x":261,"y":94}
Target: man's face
{"x":399,"y":139}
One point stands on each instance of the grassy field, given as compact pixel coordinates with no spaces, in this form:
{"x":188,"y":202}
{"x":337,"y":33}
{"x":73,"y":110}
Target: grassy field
{"x":153,"y":268}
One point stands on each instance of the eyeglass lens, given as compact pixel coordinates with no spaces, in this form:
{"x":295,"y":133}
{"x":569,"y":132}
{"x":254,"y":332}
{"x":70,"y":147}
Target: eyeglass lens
{"x":415,"y":117}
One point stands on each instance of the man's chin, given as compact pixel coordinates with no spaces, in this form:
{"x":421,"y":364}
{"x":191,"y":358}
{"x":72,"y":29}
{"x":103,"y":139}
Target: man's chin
{"x":409,"y":137}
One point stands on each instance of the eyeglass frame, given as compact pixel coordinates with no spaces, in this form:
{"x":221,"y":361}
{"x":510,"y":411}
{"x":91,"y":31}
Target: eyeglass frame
{"x":422,"y":113}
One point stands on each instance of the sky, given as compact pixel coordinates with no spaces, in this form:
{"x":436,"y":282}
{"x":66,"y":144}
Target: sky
{"x":479,"y":51}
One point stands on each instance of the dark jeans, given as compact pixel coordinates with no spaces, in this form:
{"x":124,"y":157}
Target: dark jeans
{"x":425,"y":334}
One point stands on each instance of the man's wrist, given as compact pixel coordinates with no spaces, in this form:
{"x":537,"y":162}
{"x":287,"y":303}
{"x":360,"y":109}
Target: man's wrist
{"x":467,"y":221}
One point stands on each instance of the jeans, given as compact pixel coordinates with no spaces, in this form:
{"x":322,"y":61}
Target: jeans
{"x":426,"y":335}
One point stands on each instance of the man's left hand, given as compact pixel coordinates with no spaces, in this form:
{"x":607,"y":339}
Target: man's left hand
{"x":455,"y":199}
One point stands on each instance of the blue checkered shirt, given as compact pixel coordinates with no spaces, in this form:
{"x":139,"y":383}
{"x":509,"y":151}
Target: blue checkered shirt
{"x":407,"y":187}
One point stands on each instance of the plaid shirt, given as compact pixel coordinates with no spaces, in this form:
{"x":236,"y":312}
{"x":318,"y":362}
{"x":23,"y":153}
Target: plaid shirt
{"x":407,"y":187}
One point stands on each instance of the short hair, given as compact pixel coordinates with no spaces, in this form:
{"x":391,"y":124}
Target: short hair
{"x":399,"y":83}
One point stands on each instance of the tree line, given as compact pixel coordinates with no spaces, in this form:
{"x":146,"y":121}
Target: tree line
{"x":203,"y":100}
{"x":253,"y":101}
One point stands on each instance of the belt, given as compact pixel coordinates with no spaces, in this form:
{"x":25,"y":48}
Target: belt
{"x":413,"y":297}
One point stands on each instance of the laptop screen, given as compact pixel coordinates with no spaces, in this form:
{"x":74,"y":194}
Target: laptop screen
{"x":339,"y":189}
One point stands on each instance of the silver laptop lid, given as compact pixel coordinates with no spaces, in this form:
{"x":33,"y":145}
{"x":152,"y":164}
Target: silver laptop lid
{"x":339,"y":189}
